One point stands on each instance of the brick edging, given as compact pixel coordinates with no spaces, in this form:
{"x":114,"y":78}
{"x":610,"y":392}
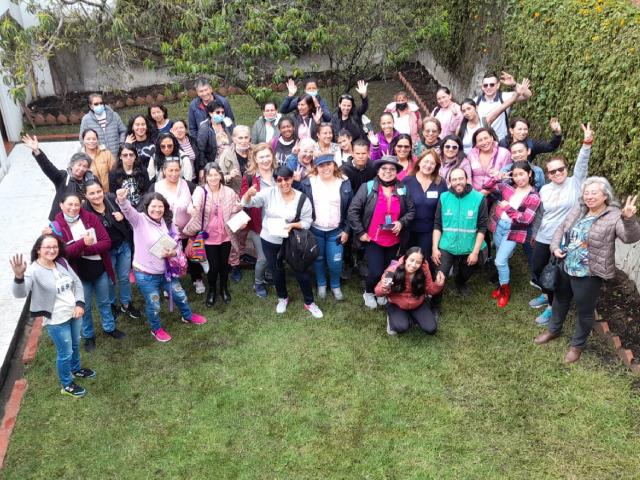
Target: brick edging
{"x":31,"y":347}
{"x":414,"y":94}
{"x":601,"y":328}
{"x":11,"y":410}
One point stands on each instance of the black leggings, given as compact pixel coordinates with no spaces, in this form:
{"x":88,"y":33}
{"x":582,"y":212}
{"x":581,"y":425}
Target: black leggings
{"x":218,"y":257}
{"x":400,"y":320}
{"x":378,"y":258}
{"x":541,"y":256}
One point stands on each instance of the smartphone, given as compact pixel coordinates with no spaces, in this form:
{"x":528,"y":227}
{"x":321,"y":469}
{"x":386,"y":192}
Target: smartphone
{"x":386,"y":226}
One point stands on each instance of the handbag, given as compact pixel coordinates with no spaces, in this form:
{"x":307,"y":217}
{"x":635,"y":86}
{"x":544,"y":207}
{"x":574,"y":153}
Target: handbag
{"x":195,"y":246}
{"x":300,"y":249}
{"x":548,"y":278}
{"x":176,"y":267}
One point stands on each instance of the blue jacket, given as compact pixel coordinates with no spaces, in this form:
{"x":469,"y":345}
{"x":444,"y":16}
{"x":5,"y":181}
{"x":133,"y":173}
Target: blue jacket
{"x":197,"y":115}
{"x":290,"y":104}
{"x":346,"y":194}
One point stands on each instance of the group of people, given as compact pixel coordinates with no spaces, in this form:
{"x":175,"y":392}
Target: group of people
{"x":419,"y":200}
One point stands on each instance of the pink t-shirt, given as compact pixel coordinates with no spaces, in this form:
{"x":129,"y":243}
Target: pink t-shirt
{"x":217,"y":233}
{"x":384,"y":207}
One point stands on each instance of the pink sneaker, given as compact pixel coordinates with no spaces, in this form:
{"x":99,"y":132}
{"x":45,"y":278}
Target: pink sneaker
{"x":161,"y":335}
{"x":196,"y":319}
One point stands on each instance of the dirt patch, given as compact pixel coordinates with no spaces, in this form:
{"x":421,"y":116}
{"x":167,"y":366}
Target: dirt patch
{"x":423,"y":83}
{"x":619,"y":306}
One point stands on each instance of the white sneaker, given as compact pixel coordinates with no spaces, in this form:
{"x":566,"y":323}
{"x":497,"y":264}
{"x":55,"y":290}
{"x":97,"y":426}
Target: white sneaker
{"x":282,"y":305}
{"x":369,"y":300}
{"x":337,"y":293}
{"x":199,"y":286}
{"x":314,"y":310}
{"x":389,"y":331}
{"x":382,"y":301}
{"x":322,"y":292}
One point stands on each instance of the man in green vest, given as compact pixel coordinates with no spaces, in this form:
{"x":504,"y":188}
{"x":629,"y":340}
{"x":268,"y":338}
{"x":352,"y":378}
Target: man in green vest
{"x":458,"y":233}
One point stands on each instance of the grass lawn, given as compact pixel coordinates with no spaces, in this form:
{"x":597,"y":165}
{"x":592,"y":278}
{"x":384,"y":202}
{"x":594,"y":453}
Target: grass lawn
{"x":256,"y":395}
{"x":244,"y":107}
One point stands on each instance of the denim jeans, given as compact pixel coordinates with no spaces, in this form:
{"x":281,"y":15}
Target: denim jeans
{"x":261,"y":261}
{"x":504,"y":250}
{"x":331,"y":254}
{"x":151,"y":286}
{"x":100,"y":288}
{"x":66,"y":338}
{"x":121,"y":260}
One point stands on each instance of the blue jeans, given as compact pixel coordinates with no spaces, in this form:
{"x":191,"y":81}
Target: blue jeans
{"x":151,"y":286}
{"x":121,"y":260}
{"x":504,"y":250}
{"x":100,"y":288}
{"x":66,"y":338}
{"x":330,"y":252}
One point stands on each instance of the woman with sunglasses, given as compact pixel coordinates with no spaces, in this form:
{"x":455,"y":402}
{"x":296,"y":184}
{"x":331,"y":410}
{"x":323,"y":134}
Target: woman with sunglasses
{"x":401,"y":148}
{"x":558,"y":197}
{"x":347,"y":116}
{"x":167,"y":147}
{"x":452,"y":156}
{"x":280,"y":205}
{"x":129,"y":173}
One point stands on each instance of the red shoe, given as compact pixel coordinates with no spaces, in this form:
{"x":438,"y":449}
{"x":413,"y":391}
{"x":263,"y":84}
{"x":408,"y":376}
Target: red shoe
{"x":497,"y":292}
{"x":503,"y":300}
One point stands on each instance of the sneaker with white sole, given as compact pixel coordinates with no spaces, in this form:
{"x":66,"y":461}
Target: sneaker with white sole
{"x":535,"y":285}
{"x":161,"y":335}
{"x":282,"y":305}
{"x":199,"y":286}
{"x":389,"y":331}
{"x":322,"y":292}
{"x":337,"y":293}
{"x":539,"y":302}
{"x":382,"y":301}
{"x":544,"y":318}
{"x":314,"y":310}
{"x":369,"y":300}
{"x":196,"y":319}
{"x":73,"y":390}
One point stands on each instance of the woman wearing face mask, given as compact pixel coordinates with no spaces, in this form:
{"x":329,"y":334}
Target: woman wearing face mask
{"x":142,"y":135}
{"x":265,"y":128}
{"x":330,"y":194}
{"x":381,"y":141}
{"x":71,"y":180}
{"x":485,"y":157}
{"x":431,"y":131}
{"x":406,"y":116}
{"x":519,"y":132}
{"x":453,"y":157}
{"x":159,"y":116}
{"x":87,"y":245}
{"x":130,"y":174}
{"x":213,"y":206}
{"x":177,"y":193}
{"x":514,"y":212}
{"x":57,"y":297}
{"x":149,"y":225}
{"x":401,"y":147}
{"x":259,"y":175}
{"x":347,"y":116}
{"x":406,"y":284}
{"x":282,"y":203}
{"x":189,"y":147}
{"x":167,"y":147}
{"x":558,"y":197}
{"x":282,"y":145}
{"x":586,"y":241}
{"x":214,"y":136}
{"x":103,"y":205}
{"x":300,"y":162}
{"x":105,"y":122}
{"x":102,"y":160}
{"x":447,"y":112}
{"x":380,"y":216}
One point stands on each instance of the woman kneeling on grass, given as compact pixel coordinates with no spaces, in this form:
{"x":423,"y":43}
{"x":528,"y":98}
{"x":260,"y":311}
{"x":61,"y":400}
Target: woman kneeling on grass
{"x":57,"y":296}
{"x":406,"y":284}
{"x":150,"y":271}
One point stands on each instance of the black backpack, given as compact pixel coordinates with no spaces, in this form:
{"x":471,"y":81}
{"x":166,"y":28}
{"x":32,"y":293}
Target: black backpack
{"x":300,"y":249}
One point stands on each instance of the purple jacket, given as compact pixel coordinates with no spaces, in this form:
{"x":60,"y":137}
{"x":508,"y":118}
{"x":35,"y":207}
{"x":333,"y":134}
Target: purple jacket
{"x":377,"y":151}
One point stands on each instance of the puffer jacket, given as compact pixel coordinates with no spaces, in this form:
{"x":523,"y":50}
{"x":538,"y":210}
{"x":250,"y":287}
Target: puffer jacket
{"x":608,"y":226}
{"x":113,"y":134}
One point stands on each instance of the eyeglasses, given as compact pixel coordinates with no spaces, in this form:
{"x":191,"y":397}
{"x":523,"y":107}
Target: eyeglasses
{"x":388,"y":169}
{"x":431,"y":130}
{"x":126,"y":155}
{"x":491,"y":84}
{"x":221,"y":112}
{"x":556,"y":170}
{"x":283,"y":180}
{"x":451,"y":147}
{"x":166,"y":145}
{"x":403,"y":146}
{"x":49,"y":248}
{"x":96,"y":104}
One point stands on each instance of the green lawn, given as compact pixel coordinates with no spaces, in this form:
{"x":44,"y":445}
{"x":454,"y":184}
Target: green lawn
{"x":256,"y":395}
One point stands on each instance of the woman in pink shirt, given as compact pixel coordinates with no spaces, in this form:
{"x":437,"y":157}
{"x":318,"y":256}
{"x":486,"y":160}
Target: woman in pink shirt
{"x":485,"y":157}
{"x":447,"y":111}
{"x":213,"y":206}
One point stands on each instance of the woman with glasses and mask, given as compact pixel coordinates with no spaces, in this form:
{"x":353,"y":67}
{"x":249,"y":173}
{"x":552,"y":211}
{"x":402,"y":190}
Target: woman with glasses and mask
{"x":167,"y":147}
{"x":452,"y":156}
{"x":347,"y":116}
{"x":105,"y":122}
{"x":380,"y":215}
{"x":214,"y":135}
{"x":557,"y":199}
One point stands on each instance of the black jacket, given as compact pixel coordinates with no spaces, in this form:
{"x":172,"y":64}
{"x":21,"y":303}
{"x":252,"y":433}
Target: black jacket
{"x":353,"y":123}
{"x":108,"y":221}
{"x":356,"y":176}
{"x":207,"y":144}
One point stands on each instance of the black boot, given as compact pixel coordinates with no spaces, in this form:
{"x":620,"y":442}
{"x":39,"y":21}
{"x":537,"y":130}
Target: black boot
{"x":224,"y":291}
{"x":211,"y":295}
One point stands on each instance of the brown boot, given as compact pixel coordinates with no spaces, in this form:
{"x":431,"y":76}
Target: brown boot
{"x":573,"y":355}
{"x":545,"y":337}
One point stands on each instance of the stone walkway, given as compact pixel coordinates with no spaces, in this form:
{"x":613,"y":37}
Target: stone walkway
{"x":25,"y":195}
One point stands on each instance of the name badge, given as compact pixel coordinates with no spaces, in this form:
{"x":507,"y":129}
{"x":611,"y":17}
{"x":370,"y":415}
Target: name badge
{"x":432,"y":194}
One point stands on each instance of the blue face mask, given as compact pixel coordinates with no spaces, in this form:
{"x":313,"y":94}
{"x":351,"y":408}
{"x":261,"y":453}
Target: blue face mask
{"x":313,"y":93}
{"x":98,"y":109}
{"x":69,"y":219}
{"x":217,"y":118}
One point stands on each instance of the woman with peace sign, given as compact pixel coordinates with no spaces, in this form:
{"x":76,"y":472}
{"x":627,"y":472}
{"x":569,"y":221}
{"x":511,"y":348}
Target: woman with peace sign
{"x":586,"y":242}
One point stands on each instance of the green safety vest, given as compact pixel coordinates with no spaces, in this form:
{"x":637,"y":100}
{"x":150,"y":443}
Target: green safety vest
{"x":459,"y":222}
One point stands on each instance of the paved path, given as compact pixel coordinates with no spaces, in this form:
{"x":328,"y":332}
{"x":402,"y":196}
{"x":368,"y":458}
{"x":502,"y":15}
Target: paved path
{"x":25,"y":195}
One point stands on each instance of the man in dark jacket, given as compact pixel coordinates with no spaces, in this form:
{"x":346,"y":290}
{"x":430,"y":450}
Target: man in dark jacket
{"x":198,"y":106}
{"x":359,"y":169}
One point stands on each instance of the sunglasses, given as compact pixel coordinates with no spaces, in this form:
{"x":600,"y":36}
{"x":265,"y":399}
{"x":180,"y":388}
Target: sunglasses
{"x":96,"y":104}
{"x":557,"y":170}
{"x":166,"y":145}
{"x":492,"y":84}
{"x":451,"y":147}
{"x":403,"y":146}
{"x":283,"y":180}
{"x":431,"y":131}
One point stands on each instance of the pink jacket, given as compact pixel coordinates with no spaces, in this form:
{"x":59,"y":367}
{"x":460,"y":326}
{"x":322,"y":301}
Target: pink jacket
{"x":179,"y":206}
{"x":480,"y":175}
{"x":450,"y":119}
